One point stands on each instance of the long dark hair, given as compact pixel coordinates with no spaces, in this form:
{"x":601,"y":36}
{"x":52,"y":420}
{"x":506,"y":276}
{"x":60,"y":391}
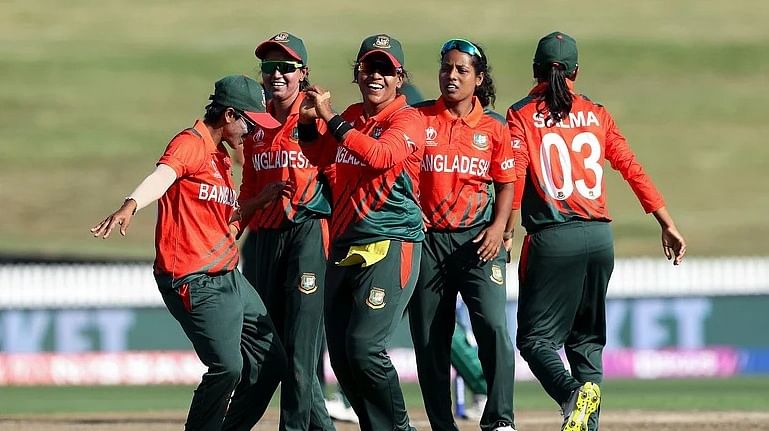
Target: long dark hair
{"x":557,"y":96}
{"x":486,"y":92}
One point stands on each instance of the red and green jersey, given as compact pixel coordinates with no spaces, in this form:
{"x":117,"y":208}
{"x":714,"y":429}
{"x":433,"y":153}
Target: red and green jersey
{"x":275,"y":155}
{"x":463,"y":158}
{"x":375,"y":175}
{"x":192,"y":233}
{"x":563,"y":162}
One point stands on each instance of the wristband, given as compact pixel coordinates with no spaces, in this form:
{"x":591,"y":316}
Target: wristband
{"x":338,"y":127}
{"x":307,"y":132}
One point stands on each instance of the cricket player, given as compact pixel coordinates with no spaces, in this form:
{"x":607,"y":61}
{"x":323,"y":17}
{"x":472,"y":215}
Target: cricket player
{"x":466,"y":193}
{"x":561,"y":140}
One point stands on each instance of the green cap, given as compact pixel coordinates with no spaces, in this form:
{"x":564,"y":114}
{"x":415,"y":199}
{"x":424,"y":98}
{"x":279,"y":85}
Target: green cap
{"x":246,"y":96}
{"x":384,"y":44}
{"x":559,"y":48}
{"x":287,"y":42}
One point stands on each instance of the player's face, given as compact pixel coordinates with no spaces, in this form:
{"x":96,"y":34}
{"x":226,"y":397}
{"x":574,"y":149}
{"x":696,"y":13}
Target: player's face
{"x":379,"y":81}
{"x":282,"y":75}
{"x":457,"y":77}
{"x":235,"y":129}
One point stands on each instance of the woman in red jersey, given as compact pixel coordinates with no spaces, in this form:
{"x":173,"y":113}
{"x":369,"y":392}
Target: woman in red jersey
{"x":376,"y":226}
{"x":196,"y":259}
{"x":284,"y":253}
{"x":561,"y":140}
{"x":466,"y":192}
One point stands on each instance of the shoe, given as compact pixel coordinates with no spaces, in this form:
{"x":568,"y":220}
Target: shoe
{"x":582,"y":403}
{"x":339,"y":411}
{"x":503,"y":426}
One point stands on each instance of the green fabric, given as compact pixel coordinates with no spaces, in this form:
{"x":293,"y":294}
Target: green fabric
{"x":557,"y":47}
{"x":239,"y":92}
{"x":464,"y":359}
{"x":384,"y":43}
{"x":564,"y":274}
{"x":235,"y":339}
{"x":363,"y":308}
{"x":495,"y":115}
{"x":413,"y":96}
{"x":287,"y":267}
{"x":398,"y":218}
{"x":449,"y":266}
{"x":289,"y":43}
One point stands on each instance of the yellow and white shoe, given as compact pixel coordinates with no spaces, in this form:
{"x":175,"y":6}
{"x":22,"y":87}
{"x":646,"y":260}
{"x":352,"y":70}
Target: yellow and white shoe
{"x":584,"y":401}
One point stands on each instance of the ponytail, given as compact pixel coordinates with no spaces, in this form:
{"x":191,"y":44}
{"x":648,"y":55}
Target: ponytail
{"x":557,"y":97}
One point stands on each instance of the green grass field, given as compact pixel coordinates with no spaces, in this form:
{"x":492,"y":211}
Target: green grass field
{"x":744,"y":394}
{"x":92,"y":91}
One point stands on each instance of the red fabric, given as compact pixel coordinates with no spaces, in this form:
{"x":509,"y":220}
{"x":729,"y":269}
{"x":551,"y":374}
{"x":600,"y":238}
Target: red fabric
{"x":571,"y":178}
{"x":275,"y":155}
{"x":462,"y":157}
{"x":192,"y":231}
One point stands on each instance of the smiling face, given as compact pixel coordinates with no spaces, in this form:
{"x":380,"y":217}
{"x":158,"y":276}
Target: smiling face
{"x":457,"y":77}
{"x":283,"y":86}
{"x":378,"y":81}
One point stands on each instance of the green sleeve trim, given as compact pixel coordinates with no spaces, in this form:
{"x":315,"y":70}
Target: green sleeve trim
{"x":517,"y":106}
{"x":423,"y":103}
{"x":495,"y":115}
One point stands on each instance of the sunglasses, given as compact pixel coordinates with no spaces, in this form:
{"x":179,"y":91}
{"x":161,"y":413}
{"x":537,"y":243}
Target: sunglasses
{"x":461,"y":45}
{"x":284,"y":67}
{"x":250,"y":125}
{"x":385,"y":68}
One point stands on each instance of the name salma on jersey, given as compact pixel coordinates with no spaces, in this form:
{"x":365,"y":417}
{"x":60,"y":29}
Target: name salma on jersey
{"x":444,"y":163}
{"x":219,"y":194}
{"x":280,"y":159}
{"x":573,"y":121}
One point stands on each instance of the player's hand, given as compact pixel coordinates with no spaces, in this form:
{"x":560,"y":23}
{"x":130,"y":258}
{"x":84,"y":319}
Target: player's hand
{"x":490,"y":240}
{"x":508,"y":244}
{"x":321,"y":99}
{"x":307,"y":111}
{"x":673,"y":244}
{"x":121,"y":217}
{"x":270,"y":193}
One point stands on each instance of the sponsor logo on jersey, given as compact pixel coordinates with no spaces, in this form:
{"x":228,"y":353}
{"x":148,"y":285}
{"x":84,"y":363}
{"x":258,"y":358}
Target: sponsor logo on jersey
{"x":377,"y":132}
{"x":496,"y":274}
{"x":516,"y":143}
{"x":480,"y":141}
{"x":382,"y":41}
{"x":280,"y":37}
{"x":507,"y":164}
{"x":308,"y":283}
{"x":376,"y":298}
{"x":430,"y":135}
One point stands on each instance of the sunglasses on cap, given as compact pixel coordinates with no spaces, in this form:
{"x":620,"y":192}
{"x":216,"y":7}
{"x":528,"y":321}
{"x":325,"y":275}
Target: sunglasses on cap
{"x":461,"y":45}
{"x":284,"y":67}
{"x":385,"y":68}
{"x":250,"y":125}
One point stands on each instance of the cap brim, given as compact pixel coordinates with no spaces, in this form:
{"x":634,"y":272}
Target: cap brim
{"x":392,"y":58}
{"x":263,"y":119}
{"x":265,"y":46}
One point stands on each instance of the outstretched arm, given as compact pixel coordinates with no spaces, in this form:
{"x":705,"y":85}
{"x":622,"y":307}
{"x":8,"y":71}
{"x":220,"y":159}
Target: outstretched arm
{"x":150,"y":190}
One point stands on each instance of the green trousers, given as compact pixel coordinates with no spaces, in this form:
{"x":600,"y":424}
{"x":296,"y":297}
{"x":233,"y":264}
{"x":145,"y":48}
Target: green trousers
{"x":287,"y":267}
{"x":564,"y":272}
{"x":450,"y":265}
{"x":363,"y":309}
{"x":233,"y":336}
